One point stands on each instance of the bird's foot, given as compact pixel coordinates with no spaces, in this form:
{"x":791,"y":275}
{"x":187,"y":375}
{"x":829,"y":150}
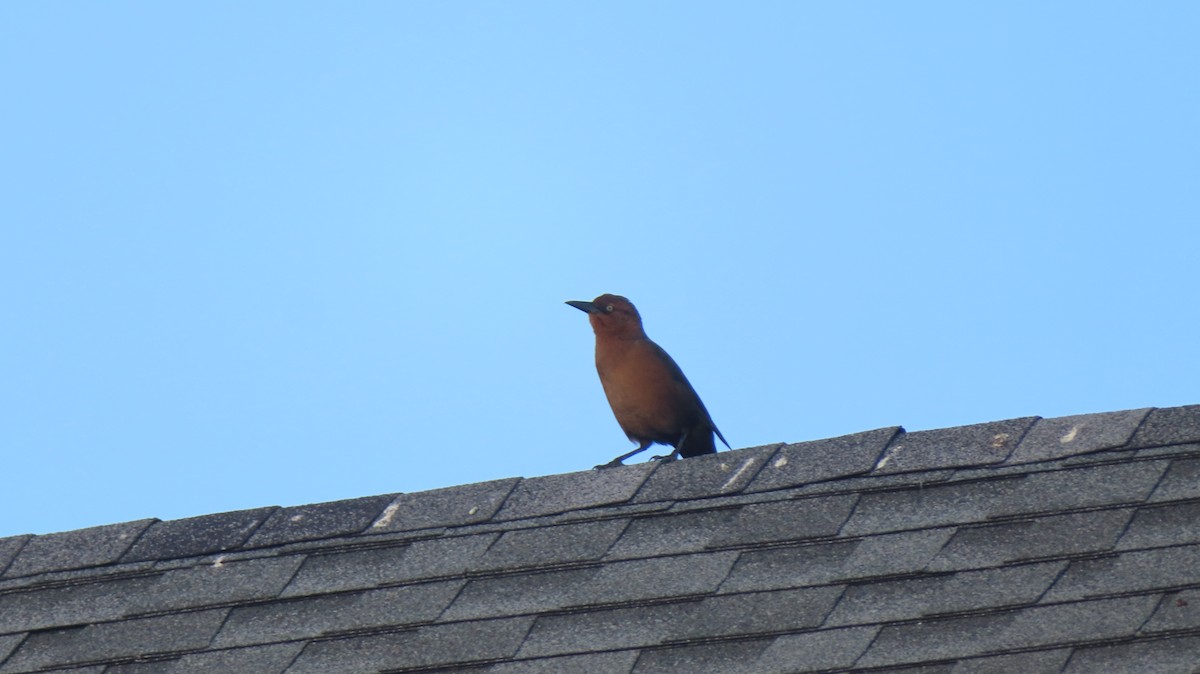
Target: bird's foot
{"x":666,"y":458}
{"x":611,"y":464}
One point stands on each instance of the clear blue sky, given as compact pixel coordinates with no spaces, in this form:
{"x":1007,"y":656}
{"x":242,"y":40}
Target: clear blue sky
{"x":280,"y":253}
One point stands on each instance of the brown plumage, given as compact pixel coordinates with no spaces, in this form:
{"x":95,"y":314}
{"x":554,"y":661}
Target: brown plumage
{"x":652,"y":400}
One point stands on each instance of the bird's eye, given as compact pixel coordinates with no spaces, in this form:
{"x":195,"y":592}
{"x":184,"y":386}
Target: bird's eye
{"x":609,"y":308}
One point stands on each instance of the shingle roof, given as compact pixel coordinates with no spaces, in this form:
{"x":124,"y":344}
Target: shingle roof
{"x":1033,"y":545}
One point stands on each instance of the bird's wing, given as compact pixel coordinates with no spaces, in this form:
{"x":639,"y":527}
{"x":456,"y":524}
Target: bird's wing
{"x":677,"y":374}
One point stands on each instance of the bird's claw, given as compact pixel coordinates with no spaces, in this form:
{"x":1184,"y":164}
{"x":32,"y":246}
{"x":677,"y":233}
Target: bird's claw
{"x":611,"y":464}
{"x":665,"y":458}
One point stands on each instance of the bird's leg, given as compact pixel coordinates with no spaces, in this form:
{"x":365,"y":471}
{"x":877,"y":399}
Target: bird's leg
{"x":675,"y":454}
{"x":617,"y":461}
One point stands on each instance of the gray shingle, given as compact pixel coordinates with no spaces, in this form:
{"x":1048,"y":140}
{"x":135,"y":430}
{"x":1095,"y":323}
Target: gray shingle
{"x":196,"y":536}
{"x":837,"y":561}
{"x":433,"y":645}
{"x":968,"y":502}
{"x":723,"y":658}
{"x":547,"y":546}
{"x":657,"y":577}
{"x":69,"y":605}
{"x":1169,"y":426}
{"x":519,"y":594}
{"x":1128,"y":572}
{"x":360,"y":569}
{"x":793,"y":520}
{"x":1021,"y":628}
{"x":985,"y":545}
{"x":94,"y":669}
{"x":725,"y":615}
{"x":606,"y":630}
{"x":813,"y":651}
{"x":8,"y":644}
{"x":937,"y":505}
{"x":910,"y":598}
{"x":705,"y":476}
{"x":1159,"y":526}
{"x":448,"y":507}
{"x":572,"y":491}
{"x":1165,"y":656}
{"x":105,"y":641}
{"x":9,"y":547}
{"x":1032,"y":662}
{"x":1083,"y":487}
{"x":616,"y":582}
{"x":613,"y":662}
{"x":671,"y":533}
{"x":325,"y":615}
{"x":77,"y":549}
{"x":320,"y":520}
{"x":215,"y":584}
{"x":1178,"y":611}
{"x":1079,"y":434}
{"x":807,"y":462}
{"x":270,"y":659}
{"x":1181,"y":481}
{"x":973,"y":445}
{"x":760,"y":612}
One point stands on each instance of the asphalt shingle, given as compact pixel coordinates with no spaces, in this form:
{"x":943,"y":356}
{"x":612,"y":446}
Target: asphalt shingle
{"x":1163,"y":525}
{"x":547,"y":546}
{"x":449,"y":507}
{"x":951,"y":555}
{"x":8,"y":644}
{"x":672,"y":533}
{"x":706,"y":476}
{"x":1169,"y":426}
{"x":320,"y":520}
{"x":613,"y":662}
{"x":1031,"y":627}
{"x":973,"y":445}
{"x":70,"y":605}
{"x":818,"y":460}
{"x":723,"y":658}
{"x":1079,"y":434}
{"x":559,"y":493}
{"x":1182,"y":481}
{"x":983,"y":545}
{"x":332,"y":614}
{"x":1139,"y":570}
{"x":793,"y":520}
{"x":269,"y":659}
{"x":9,"y":547}
{"x":196,"y":536}
{"x":816,"y":651}
{"x":1165,"y":656}
{"x":433,"y":645}
{"x":373,"y":567}
{"x":886,"y":601}
{"x":1178,"y":611}
{"x":1032,"y":662}
{"x":76,"y":549}
{"x":127,"y":639}
{"x":818,"y":564}
{"x":215,"y":584}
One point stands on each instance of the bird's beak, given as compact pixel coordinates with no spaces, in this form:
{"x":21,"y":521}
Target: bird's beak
{"x":586,"y":307}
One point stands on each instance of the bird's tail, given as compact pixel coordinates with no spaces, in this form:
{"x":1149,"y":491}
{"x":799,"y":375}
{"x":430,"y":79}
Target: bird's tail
{"x":699,"y":441}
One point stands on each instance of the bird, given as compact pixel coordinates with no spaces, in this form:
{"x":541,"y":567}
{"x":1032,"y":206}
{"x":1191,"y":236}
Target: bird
{"x":649,"y":395}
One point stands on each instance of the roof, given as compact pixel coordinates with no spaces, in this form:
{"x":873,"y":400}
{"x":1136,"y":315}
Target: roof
{"x":1036,"y":545}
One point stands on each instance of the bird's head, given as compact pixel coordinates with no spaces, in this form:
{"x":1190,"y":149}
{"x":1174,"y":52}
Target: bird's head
{"x":612,"y":316}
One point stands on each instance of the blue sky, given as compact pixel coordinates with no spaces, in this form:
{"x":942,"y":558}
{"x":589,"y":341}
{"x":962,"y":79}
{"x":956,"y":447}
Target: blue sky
{"x":280,"y":253}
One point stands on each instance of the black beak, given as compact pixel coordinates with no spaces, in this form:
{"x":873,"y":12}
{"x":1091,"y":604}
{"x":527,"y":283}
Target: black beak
{"x":586,"y":307}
